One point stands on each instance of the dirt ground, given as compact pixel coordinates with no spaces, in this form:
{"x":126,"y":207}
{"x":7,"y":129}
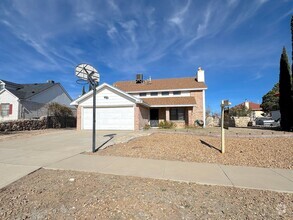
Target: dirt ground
{"x":26,"y":134}
{"x":274,"y":152}
{"x":48,"y":194}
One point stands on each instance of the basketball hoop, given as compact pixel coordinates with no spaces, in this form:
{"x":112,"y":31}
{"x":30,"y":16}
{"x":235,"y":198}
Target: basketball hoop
{"x":87,"y":72}
{"x":89,"y":75}
{"x":82,"y":82}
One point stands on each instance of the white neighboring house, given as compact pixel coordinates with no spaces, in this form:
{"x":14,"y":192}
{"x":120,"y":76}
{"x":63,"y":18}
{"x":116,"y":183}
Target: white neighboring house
{"x":26,"y":101}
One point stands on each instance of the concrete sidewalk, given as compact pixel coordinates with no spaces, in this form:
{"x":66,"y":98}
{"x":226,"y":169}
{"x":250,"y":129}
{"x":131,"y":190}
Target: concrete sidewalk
{"x":280,"y":180}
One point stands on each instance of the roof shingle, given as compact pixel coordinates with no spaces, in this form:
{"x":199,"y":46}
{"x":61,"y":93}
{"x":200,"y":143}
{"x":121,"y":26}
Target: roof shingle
{"x":170,"y":101}
{"x":160,"y":84}
{"x":24,"y":91}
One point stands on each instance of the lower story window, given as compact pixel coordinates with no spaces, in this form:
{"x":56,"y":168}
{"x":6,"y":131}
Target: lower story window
{"x":177,"y":114}
{"x":4,"y":109}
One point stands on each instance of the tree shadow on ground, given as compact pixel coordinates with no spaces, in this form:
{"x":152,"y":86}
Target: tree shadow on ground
{"x":209,"y":145}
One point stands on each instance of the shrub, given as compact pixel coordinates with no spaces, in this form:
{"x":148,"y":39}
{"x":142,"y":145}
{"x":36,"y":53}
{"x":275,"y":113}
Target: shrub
{"x":55,"y":109}
{"x":146,"y":127}
{"x":167,"y":124}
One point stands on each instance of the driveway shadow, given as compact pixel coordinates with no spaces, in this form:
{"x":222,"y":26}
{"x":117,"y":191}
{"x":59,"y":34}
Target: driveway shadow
{"x":209,"y":145}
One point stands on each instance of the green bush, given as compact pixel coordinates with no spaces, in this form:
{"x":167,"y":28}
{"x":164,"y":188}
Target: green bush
{"x":167,"y":124}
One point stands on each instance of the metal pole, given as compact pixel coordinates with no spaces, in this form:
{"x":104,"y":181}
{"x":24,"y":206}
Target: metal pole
{"x":94,"y":118}
{"x":222,"y":130}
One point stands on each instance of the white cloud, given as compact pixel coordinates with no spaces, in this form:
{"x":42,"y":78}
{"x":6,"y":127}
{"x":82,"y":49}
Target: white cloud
{"x":111,"y":32}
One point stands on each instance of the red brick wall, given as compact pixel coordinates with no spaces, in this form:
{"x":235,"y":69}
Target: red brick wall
{"x":141,"y":117}
{"x":78,"y":118}
{"x":198,"y":109}
{"x":162,"y":114}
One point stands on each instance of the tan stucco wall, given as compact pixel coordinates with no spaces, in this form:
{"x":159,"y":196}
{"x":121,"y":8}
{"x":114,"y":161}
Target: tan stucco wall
{"x":141,"y":117}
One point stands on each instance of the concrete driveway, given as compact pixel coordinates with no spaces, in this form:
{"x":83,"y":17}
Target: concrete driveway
{"x":23,"y":155}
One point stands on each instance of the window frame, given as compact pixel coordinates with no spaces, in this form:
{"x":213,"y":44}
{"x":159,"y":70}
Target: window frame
{"x":176,"y":92}
{"x":176,"y":114}
{"x":165,"y":93}
{"x":142,"y":94}
{"x":2,"y":110}
{"x":154,"y":93}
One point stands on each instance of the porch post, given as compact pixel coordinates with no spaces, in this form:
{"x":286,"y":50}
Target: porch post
{"x":167,"y":114}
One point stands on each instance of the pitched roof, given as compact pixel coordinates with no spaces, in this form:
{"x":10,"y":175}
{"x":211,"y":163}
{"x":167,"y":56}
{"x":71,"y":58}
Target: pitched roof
{"x":161,"y":84}
{"x":170,"y":101}
{"x":105,"y":85}
{"x":24,"y":91}
{"x":252,"y":106}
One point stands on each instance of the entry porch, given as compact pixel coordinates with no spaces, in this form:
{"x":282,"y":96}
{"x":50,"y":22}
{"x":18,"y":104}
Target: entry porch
{"x":181,"y":116}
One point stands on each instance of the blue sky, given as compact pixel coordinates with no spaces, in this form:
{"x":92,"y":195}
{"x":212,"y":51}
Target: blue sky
{"x":238,"y":43}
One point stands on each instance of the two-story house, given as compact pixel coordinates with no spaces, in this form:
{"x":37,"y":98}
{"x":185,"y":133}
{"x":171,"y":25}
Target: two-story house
{"x":130,"y":105}
{"x":26,"y":101}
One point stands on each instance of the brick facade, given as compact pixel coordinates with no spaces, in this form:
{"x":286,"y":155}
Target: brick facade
{"x":141,"y":117}
{"x":78,"y":118}
{"x":197,"y":113}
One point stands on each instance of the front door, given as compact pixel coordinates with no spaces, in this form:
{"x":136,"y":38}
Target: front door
{"x":154,"y":117}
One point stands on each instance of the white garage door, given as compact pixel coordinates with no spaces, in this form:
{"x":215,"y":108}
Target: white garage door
{"x":120,"y":118}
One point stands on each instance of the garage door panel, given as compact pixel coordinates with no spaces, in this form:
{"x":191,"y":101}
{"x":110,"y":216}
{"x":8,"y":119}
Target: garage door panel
{"x":121,"y":118}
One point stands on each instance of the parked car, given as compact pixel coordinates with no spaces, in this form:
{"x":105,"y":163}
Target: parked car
{"x":265,"y":121}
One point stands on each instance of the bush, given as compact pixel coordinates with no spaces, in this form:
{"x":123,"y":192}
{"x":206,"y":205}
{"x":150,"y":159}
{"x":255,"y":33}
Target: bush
{"x":167,"y":124}
{"x":55,"y":109}
{"x":146,"y":127}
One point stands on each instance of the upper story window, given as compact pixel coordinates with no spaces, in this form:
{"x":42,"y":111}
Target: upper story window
{"x":142,"y":94}
{"x":165,"y":93}
{"x":5,"y":109}
{"x":177,"y":93}
{"x":154,"y":94}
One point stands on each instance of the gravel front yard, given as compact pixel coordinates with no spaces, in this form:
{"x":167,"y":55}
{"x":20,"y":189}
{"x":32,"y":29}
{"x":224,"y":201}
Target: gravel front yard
{"x":48,"y":194}
{"x":275,"y":152}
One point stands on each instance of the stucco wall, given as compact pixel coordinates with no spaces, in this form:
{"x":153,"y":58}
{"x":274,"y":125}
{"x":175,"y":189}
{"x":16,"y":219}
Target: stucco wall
{"x":32,"y":110}
{"x":7,"y":97}
{"x":53,"y":94}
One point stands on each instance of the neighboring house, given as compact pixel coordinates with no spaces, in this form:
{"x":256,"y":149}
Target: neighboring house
{"x":130,"y":105}
{"x":256,"y":110}
{"x":25,"y":101}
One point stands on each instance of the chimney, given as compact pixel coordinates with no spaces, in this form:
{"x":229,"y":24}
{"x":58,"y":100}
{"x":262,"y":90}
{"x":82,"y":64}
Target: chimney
{"x":246,"y":104}
{"x":200,"y":75}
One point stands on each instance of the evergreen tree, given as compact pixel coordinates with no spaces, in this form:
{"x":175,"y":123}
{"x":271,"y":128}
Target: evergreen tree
{"x":83,"y":91}
{"x":285,"y":101}
{"x":270,"y":102}
{"x":292,"y":66}
{"x":292,"y":45}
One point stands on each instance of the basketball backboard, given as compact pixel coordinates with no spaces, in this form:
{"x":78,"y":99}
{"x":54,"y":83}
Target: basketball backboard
{"x":83,"y":71}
